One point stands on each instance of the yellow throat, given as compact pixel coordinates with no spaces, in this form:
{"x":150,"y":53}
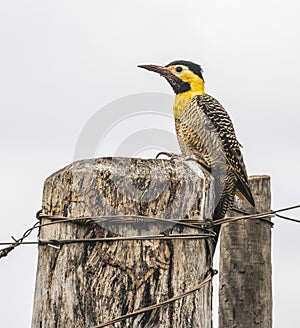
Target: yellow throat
{"x":183,"y":99}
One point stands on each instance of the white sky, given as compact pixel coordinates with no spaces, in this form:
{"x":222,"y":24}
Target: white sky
{"x":62,"y":61}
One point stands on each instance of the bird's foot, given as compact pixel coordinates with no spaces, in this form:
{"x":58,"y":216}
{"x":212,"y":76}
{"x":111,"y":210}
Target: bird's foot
{"x":181,"y":157}
{"x":172,"y":156}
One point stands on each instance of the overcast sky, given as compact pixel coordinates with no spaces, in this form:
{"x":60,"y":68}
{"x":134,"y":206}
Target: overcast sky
{"x":62,"y":61}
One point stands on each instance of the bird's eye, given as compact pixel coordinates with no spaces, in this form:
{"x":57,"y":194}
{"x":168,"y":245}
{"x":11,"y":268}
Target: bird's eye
{"x":178,"y":69}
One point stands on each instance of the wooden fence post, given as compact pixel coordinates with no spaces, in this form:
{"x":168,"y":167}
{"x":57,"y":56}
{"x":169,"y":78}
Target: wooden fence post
{"x":85,"y":284}
{"x":245,"y":291}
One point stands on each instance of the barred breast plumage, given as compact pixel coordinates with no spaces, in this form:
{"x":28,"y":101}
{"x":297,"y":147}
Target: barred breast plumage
{"x":204,"y":130}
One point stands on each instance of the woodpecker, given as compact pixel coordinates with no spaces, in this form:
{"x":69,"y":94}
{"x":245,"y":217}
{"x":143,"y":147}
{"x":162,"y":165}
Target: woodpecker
{"x":205,"y":132}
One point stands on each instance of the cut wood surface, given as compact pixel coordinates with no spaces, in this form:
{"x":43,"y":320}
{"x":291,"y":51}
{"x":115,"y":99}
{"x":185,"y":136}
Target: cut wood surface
{"x":85,"y":284}
{"x":245,"y":292}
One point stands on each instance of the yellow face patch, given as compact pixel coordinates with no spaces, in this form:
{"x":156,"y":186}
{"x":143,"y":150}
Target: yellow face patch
{"x":196,"y":83}
{"x":186,"y":75}
{"x":189,"y":76}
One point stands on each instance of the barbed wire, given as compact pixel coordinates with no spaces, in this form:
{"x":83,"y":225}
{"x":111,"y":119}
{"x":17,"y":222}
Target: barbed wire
{"x":211,"y":273}
{"x":17,"y":242}
{"x":198,"y":224}
{"x":202,"y":225}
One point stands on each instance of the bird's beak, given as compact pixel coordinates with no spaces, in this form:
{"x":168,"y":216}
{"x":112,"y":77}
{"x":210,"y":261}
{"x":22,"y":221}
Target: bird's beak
{"x":163,"y":71}
{"x":176,"y":83}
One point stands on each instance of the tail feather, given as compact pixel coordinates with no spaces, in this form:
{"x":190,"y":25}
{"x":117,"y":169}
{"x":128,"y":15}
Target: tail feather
{"x":244,"y":189}
{"x":225,"y":203}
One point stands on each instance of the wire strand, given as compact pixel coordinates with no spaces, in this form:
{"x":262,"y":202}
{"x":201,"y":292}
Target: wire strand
{"x":203,"y":225}
{"x":159,"y":305}
{"x":120,"y":219}
{"x":17,"y":242}
{"x":287,"y":218}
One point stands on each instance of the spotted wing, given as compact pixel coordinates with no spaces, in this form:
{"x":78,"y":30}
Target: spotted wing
{"x":210,"y":117}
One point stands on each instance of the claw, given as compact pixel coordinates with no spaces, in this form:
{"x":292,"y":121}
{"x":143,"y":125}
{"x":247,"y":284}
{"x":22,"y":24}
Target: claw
{"x":171,"y":155}
{"x":178,"y":157}
{"x":163,"y":153}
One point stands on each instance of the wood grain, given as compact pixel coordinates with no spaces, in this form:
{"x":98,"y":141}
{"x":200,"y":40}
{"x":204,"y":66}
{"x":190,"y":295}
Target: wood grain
{"x":245,"y":292}
{"x":82,"y":285}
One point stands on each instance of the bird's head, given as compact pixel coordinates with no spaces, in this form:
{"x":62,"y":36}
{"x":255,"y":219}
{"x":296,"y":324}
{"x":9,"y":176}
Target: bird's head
{"x":182,"y":75}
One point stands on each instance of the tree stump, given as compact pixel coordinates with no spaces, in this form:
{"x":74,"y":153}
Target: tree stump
{"x":245,"y":291}
{"x":85,"y":284}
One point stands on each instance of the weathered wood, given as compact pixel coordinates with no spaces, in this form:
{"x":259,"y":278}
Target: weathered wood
{"x":245,"y":291}
{"x":82,"y":285}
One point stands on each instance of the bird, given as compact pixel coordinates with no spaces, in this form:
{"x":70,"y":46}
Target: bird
{"x":205,"y":132}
